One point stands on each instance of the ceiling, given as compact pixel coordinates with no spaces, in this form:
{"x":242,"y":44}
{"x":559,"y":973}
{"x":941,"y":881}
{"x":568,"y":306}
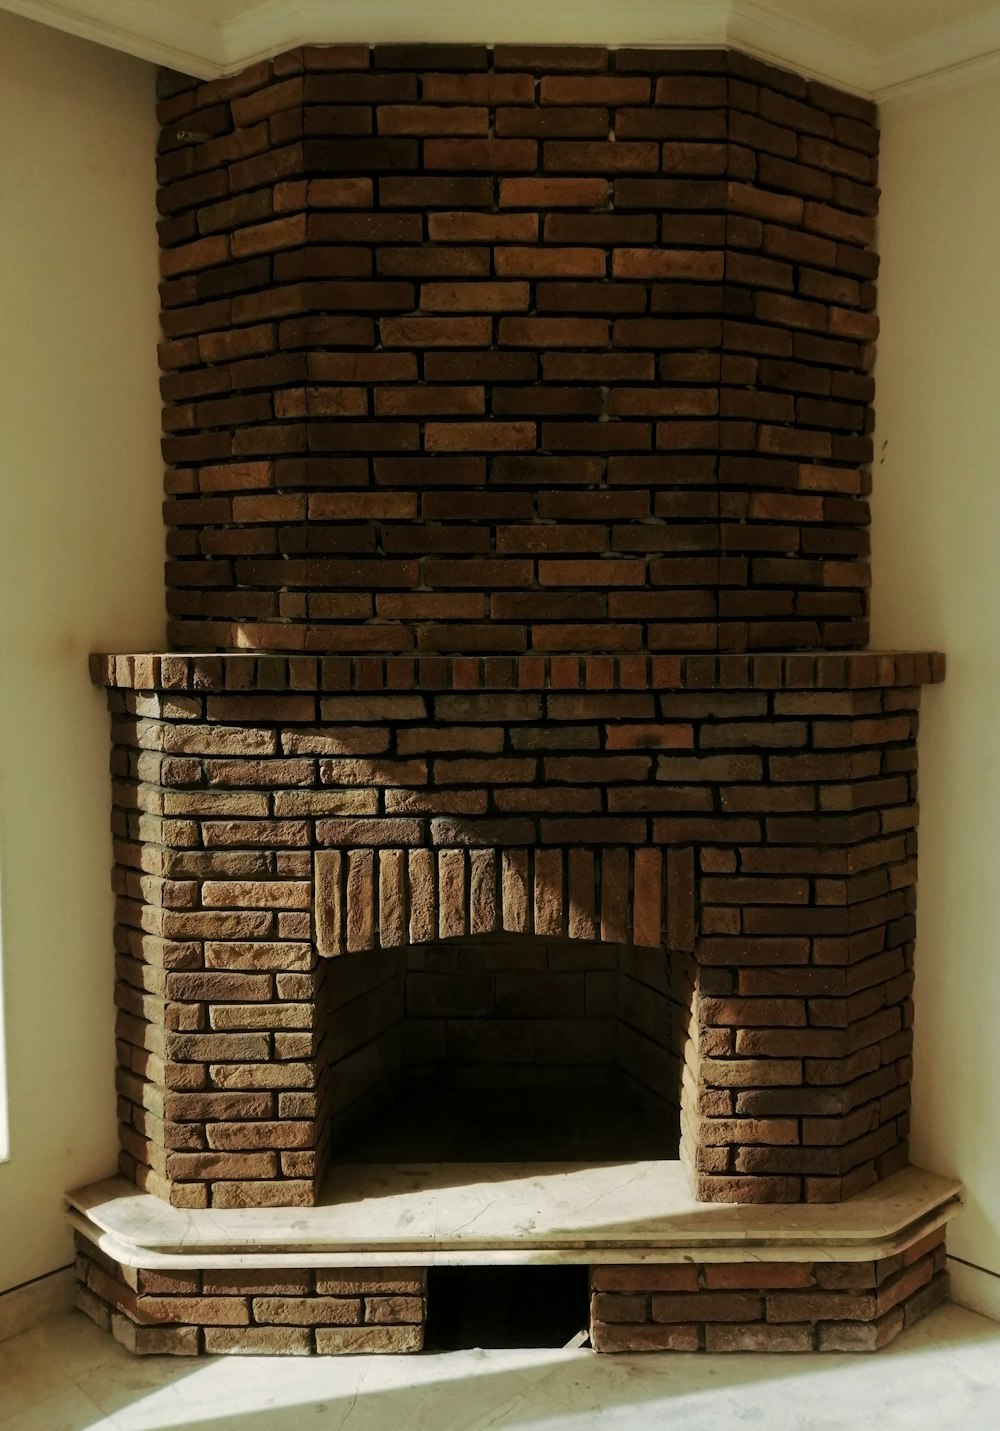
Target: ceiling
{"x":873,"y":47}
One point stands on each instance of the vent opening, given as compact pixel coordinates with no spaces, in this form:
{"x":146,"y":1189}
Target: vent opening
{"x":517,"y":1306}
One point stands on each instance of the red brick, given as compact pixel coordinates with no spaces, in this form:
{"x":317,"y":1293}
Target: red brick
{"x":479,"y":436}
{"x":517,"y":517}
{"x":443,"y":332}
{"x":757,"y":1275}
{"x":428,"y":119}
{"x":600,"y":157}
{"x":645,"y":1277}
{"x":489,"y":89}
{"x":823,"y":1306}
{"x":553,"y":193}
{"x":577,"y":123}
{"x":495,"y":156}
{"x":613,"y":1337}
{"x":553,"y":332}
{"x":579,"y":59}
{"x":707,"y":1307}
{"x":550,"y":262}
{"x":558,"y":89}
{"x":474,"y":297}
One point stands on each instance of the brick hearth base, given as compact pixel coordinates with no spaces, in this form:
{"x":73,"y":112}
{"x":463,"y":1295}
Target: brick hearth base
{"x":766,"y":1306}
{"x":716,"y":1306}
{"x":286,"y":1313}
{"x":359,"y":1272}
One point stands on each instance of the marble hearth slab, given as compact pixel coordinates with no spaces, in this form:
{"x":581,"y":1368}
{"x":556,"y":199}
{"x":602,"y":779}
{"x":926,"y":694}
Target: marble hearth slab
{"x":509,"y":1212}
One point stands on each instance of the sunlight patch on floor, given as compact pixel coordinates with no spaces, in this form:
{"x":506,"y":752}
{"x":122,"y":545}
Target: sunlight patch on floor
{"x":69,"y":1376}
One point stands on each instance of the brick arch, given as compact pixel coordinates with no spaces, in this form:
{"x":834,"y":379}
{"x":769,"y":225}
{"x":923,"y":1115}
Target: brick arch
{"x":388,"y":898}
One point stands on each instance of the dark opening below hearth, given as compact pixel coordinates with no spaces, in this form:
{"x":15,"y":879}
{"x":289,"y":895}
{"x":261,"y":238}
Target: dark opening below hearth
{"x":505,"y":1306}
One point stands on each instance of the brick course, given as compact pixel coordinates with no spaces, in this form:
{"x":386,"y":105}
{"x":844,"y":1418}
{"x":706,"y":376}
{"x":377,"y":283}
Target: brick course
{"x":709,"y":1307}
{"x":761,"y":1306}
{"x":257,"y":1313}
{"x":404,"y":300}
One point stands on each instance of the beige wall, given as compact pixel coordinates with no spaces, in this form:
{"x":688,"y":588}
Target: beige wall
{"x":80,"y":568}
{"x":936,"y":567}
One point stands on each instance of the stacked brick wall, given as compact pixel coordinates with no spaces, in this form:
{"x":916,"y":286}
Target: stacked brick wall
{"x":276,"y":1312}
{"x":713,"y":1307}
{"x":766,"y":1306}
{"x":472,"y":350}
{"x":778,"y":813}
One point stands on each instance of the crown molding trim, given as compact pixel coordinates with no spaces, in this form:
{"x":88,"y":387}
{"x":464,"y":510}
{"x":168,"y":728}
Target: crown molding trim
{"x":153,"y":31}
{"x":946,"y":54}
{"x":765,"y":30}
{"x":275,"y":23}
{"x":138,"y":27}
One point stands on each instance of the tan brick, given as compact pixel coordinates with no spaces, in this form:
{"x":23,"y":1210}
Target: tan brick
{"x":308,"y":1311}
{"x":267,"y":894}
{"x":257,"y":1283}
{"x":372,"y":1281}
{"x":198,"y":1311}
{"x":393,"y":1310}
{"x":259,"y":1341}
{"x":154,"y":1341}
{"x":332,"y":1341}
{"x":758,"y":1337}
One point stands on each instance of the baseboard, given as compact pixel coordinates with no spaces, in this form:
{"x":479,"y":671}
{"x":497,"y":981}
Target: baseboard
{"x":34,"y":1302}
{"x":975,"y":1288}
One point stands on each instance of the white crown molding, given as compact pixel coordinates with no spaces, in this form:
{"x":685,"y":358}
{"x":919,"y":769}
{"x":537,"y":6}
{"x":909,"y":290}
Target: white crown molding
{"x":763,"y":29}
{"x":154,"y":30}
{"x":143,"y":28}
{"x":949,"y":53}
{"x":275,"y":23}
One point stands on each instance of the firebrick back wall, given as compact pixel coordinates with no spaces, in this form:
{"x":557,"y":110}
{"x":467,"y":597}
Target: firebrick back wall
{"x":510,"y":350}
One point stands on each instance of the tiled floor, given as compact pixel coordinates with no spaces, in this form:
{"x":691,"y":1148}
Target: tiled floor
{"x":944,"y":1375}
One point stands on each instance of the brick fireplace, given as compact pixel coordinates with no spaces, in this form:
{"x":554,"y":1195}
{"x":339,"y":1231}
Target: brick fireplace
{"x":519,"y":791}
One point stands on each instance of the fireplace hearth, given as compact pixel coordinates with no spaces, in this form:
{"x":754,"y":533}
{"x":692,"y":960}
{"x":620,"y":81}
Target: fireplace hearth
{"x":515,"y":855}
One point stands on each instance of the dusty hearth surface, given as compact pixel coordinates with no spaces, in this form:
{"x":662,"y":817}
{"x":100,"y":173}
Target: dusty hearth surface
{"x":508,"y":1212}
{"x":665,"y":1272}
{"x":526,"y":868}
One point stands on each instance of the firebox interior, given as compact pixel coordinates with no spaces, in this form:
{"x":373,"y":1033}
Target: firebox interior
{"x":502,"y":1050}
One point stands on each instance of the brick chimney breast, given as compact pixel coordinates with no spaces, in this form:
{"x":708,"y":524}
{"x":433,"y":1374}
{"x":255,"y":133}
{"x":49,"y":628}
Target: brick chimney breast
{"x":518,"y":804}
{"x":499,"y":353}
{"x":516,"y":418}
